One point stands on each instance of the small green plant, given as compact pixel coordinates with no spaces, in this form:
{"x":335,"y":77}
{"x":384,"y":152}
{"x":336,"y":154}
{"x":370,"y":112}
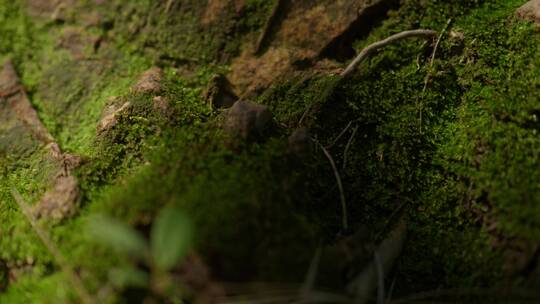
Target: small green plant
{"x":153,"y":259}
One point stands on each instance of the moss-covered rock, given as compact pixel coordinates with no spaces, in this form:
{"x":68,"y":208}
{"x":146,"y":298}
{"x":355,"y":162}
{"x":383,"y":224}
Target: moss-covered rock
{"x":448,"y":137}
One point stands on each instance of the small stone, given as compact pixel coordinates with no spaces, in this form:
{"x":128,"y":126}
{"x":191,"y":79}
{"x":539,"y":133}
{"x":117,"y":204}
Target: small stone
{"x":300,"y":142}
{"x":109,"y":118}
{"x":247,"y":119}
{"x":162,"y":105}
{"x":530,"y":11}
{"x":60,"y":202}
{"x":149,"y":82}
{"x":219,"y":92}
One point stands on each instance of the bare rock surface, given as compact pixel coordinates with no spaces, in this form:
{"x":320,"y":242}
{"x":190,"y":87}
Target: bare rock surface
{"x":20,"y":124}
{"x":162,"y":106}
{"x":15,"y":98}
{"x":247,"y":119}
{"x":530,"y":11}
{"x":149,"y":82}
{"x":60,"y":201}
{"x":306,"y":32}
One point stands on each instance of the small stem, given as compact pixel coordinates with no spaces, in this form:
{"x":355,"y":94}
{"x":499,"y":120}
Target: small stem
{"x":344,"y":219}
{"x":340,"y":135}
{"x":428,"y":76}
{"x":347,"y":147}
{"x":84,"y":295}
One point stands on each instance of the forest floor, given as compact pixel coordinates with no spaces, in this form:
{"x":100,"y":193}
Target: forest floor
{"x":220,"y":151}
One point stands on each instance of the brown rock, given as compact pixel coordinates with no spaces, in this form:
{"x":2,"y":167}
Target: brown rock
{"x":219,"y":92}
{"x":59,"y":202}
{"x":149,"y":82}
{"x":300,"y":142}
{"x":310,"y":31}
{"x":162,"y":105}
{"x":247,"y":119}
{"x":251,"y":74}
{"x":530,"y":11}
{"x":17,"y":101}
{"x":109,"y":117}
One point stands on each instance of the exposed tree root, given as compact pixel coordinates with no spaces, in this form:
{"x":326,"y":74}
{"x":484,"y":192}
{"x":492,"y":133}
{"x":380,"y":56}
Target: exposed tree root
{"x":372,"y":48}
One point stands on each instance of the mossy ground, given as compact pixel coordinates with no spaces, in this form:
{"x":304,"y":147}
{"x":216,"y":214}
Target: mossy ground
{"x":462,"y":154}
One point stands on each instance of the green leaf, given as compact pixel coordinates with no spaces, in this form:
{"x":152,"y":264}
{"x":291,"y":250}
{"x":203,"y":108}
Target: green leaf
{"x":129,"y":277}
{"x":118,"y":236}
{"x":170,"y":238}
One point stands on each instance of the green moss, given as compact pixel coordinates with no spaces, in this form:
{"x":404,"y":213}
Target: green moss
{"x":461,"y":154}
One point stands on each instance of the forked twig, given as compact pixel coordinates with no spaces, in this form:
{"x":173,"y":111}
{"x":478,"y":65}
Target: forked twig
{"x":340,"y":135}
{"x":344,"y":218}
{"x":366,"y":52}
{"x":432,"y":60}
{"x":84,"y":295}
{"x":347,"y":147}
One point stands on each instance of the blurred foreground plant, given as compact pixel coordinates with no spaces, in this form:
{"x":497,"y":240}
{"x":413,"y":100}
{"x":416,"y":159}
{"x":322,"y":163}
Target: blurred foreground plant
{"x":154,"y":259}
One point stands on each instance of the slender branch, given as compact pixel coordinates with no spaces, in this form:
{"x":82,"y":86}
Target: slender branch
{"x":439,"y":41}
{"x":340,"y":135}
{"x":347,"y":147}
{"x":345,"y":221}
{"x":55,"y":252}
{"x":366,"y":52}
{"x":432,"y":60}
